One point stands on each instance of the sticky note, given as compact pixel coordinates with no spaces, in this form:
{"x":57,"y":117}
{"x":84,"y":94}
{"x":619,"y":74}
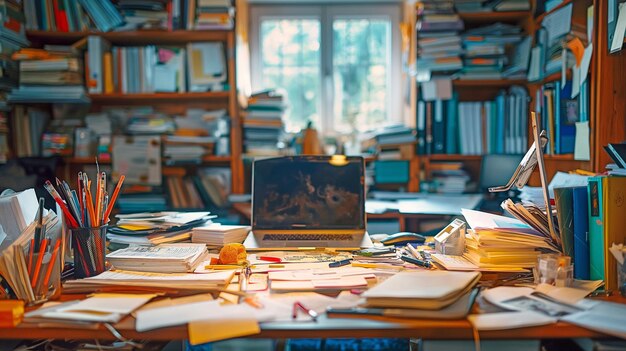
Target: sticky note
{"x":204,"y":331}
{"x":581,"y":146}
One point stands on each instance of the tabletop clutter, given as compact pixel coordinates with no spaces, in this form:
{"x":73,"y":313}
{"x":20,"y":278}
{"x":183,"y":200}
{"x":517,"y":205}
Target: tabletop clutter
{"x":185,"y":268}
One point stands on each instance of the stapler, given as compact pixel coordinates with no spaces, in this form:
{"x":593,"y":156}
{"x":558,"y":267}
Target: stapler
{"x":402,"y":238}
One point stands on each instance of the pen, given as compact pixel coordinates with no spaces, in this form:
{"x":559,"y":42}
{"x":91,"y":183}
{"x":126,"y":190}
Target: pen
{"x":297,"y":306}
{"x":270,"y":259}
{"x":415,"y":261}
{"x":339,"y":263}
{"x":55,"y":195}
{"x":376,"y":265}
{"x":39,"y":227}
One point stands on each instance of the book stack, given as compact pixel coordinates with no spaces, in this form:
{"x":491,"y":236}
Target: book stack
{"x":263,"y":123}
{"x":388,"y":138}
{"x":48,"y":76}
{"x":485,"y":50}
{"x":438,"y":40}
{"x":154,"y":228}
{"x":427,"y":294}
{"x":218,"y":235}
{"x":12,"y":28}
{"x":474,"y":128}
{"x":214,"y":123}
{"x":180,"y":149}
{"x":146,"y":121}
{"x":214,"y":185}
{"x":471,"y":6}
{"x":146,"y":14}
{"x":449,"y":177}
{"x":72,"y":16}
{"x":102,"y":13}
{"x":213,"y":14}
{"x":100,"y":125}
{"x":144,"y":198}
{"x":165,"y":258}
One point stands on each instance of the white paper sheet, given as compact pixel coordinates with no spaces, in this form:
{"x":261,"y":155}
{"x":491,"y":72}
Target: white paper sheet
{"x":620,"y":29}
{"x":582,"y":150}
{"x":509,"y":320}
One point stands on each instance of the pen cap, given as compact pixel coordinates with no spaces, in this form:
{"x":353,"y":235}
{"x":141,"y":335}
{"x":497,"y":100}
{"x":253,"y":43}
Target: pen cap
{"x":88,"y":249}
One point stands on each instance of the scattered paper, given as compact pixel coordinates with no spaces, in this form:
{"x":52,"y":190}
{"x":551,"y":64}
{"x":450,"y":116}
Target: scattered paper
{"x":429,"y":90}
{"x":439,"y":204}
{"x":444,"y":89}
{"x":605,"y":317}
{"x":585,"y":62}
{"x":509,"y":320}
{"x":618,"y":252}
{"x":558,"y":23}
{"x":582,"y":151}
{"x":620,"y":29}
{"x":590,"y":23}
{"x":563,"y":68}
{"x":575,"y":82}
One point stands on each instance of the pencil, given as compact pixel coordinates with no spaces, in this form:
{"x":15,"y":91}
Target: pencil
{"x":42,"y":253}
{"x":113,"y":198}
{"x":55,"y":195}
{"x":46,"y":278}
{"x":30,"y":255}
{"x":98,"y":201}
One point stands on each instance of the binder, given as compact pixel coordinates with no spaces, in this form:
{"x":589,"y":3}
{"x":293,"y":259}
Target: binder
{"x":596,"y":229}
{"x":581,"y":233}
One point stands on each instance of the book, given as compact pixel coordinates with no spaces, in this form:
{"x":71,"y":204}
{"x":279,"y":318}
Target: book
{"x":581,"y":233}
{"x":219,"y":235}
{"x":429,"y":290}
{"x":166,"y":258}
{"x":564,"y":200}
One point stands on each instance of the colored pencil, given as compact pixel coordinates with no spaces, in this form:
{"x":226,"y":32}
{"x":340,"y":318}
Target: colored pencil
{"x":55,"y":252}
{"x":42,"y":253}
{"x":113,"y":198}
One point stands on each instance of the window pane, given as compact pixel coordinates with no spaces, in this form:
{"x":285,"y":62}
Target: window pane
{"x":361,"y":50}
{"x":291,"y":61}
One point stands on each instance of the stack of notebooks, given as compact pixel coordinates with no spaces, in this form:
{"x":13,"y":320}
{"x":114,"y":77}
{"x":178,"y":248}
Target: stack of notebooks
{"x":485,"y":50}
{"x":219,"y":235}
{"x":156,"y":228}
{"x":438,"y":41}
{"x":49,"y":76}
{"x":146,"y":14}
{"x":263,"y":123}
{"x":166,"y":258}
{"x":213,"y":14}
{"x":449,"y":177}
{"x":424,"y":294}
{"x":183,"y":149}
{"x":17,"y":211}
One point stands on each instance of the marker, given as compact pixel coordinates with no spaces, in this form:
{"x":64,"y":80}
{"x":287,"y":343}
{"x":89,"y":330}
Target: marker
{"x":415,"y":261}
{"x":276,"y":266}
{"x":222,"y":266}
{"x":310,"y":312}
{"x":340,"y":263}
{"x":376,"y":265}
{"x":270,"y":259}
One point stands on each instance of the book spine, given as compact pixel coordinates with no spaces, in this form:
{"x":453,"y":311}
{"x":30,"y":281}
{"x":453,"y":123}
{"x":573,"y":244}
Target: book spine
{"x":596,"y":228}
{"x":581,"y":234}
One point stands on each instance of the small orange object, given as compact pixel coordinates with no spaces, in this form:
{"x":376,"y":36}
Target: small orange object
{"x":214,"y":261}
{"x":233,"y":254}
{"x":11,"y":313}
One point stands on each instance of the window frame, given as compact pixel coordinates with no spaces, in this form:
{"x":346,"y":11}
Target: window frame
{"x":326,"y":14}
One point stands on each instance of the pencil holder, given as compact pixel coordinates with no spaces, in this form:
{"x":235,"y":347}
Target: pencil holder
{"x":88,"y":245}
{"x":42,"y":262}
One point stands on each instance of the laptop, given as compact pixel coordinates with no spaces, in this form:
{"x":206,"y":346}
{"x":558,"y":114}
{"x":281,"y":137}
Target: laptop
{"x":303,"y":202}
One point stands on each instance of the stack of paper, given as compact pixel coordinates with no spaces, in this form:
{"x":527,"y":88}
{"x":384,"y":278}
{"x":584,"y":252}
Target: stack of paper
{"x":428,"y":290}
{"x":162,"y":282}
{"x":167,"y":258}
{"x":17,"y":211}
{"x":154,"y":228}
{"x":498,"y":242}
{"x":219,"y":235}
{"x":320,"y":280}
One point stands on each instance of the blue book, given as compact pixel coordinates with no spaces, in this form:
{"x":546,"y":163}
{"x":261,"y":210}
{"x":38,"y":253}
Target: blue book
{"x":581,"y":233}
{"x":569,"y":115}
{"x":391,"y":172}
{"x":452,"y":124}
{"x":557,"y":116}
{"x":439,"y":129}
{"x":500,"y":123}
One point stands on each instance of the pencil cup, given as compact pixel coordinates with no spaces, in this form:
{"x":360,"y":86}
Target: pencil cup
{"x":88,"y":245}
{"x":621,"y":278}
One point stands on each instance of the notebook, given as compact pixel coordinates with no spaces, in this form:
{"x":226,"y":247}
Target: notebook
{"x":429,"y":290}
{"x":308,"y":202}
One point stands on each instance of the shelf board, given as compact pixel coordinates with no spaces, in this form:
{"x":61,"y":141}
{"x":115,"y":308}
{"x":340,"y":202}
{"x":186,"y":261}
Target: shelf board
{"x":490,"y":17}
{"x":496,"y":83}
{"x":562,"y":157}
{"x":91,"y":160}
{"x":551,"y":78}
{"x":540,"y":18}
{"x":85,"y":161}
{"x":455,"y":157}
{"x":158,"y":97}
{"x":131,"y":37}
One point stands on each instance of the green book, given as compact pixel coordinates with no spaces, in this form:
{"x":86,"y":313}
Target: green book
{"x":596,"y":228}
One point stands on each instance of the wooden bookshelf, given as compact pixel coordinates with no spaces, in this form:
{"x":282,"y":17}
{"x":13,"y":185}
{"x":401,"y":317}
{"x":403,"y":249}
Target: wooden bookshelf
{"x":456,"y":157}
{"x":492,"y":17}
{"x":85,"y":161}
{"x":492,"y":83}
{"x":120,"y":98}
{"x":140,"y":37}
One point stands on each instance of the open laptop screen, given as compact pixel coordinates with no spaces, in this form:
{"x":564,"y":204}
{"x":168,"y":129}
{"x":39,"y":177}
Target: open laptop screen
{"x":308,"y":192}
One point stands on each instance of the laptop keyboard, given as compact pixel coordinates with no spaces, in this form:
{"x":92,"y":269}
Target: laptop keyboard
{"x":308,"y":237}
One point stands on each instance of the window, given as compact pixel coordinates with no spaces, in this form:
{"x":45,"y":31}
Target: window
{"x":338,"y":65}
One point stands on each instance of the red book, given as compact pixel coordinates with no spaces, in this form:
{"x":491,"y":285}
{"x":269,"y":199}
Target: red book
{"x":60,"y":16}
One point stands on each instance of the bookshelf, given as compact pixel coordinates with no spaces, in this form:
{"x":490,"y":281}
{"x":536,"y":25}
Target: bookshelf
{"x":221,"y":95}
{"x":487,"y":89}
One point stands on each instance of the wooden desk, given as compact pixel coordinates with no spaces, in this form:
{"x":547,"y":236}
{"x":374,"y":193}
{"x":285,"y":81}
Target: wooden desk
{"x":379,"y":327}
